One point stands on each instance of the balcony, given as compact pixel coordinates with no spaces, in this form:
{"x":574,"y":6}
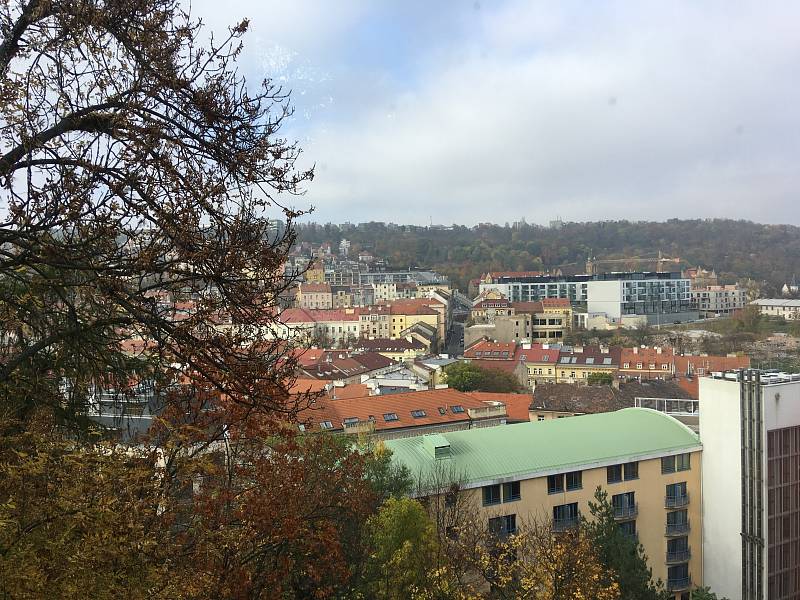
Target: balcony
{"x":679,"y":556}
{"x":565,"y":524}
{"x":676,"y":501}
{"x":679,"y":584}
{"x":629,"y":511}
{"x":674,"y":529}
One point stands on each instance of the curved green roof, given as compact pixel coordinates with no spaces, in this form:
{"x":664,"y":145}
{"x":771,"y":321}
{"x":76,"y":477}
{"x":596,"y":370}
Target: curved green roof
{"x":525,"y":450}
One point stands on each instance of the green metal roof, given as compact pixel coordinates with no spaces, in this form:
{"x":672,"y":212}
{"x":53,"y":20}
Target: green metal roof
{"x":543,"y":447}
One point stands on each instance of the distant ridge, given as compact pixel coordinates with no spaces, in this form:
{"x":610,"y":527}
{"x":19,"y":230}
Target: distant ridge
{"x":768,"y":254}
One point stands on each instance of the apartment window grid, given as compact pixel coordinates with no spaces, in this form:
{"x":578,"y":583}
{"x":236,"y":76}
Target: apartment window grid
{"x":783,"y":513}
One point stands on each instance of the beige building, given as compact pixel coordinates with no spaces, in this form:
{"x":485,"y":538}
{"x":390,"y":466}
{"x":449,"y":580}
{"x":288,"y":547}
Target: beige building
{"x":314,"y":296}
{"x":778,"y":307}
{"x":716,"y":300}
{"x":647,"y":462}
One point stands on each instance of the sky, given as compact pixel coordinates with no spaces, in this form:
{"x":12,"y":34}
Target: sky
{"x":463,"y":112}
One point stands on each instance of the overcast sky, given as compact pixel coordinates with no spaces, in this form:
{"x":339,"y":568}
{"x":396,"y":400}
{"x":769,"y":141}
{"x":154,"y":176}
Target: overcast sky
{"x":462,"y":111}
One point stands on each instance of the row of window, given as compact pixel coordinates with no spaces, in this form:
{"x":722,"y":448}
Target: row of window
{"x":651,"y":366}
{"x":569,"y":481}
{"x":679,"y":462}
{"x":510,"y":493}
{"x":622,"y":472}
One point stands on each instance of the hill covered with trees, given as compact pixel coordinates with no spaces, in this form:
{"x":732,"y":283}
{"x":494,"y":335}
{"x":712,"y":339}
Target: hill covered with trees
{"x":768,"y":254}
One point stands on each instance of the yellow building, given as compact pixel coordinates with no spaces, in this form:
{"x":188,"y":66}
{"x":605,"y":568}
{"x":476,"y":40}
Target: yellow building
{"x":406,"y":313}
{"x":541,"y":362}
{"x":576,"y":366}
{"x":647,"y":462}
{"x":315,"y":273}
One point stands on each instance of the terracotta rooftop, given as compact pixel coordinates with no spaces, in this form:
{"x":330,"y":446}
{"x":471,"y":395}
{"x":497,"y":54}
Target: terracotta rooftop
{"x":311,"y":288}
{"x":484,"y":349}
{"x":527,"y":307}
{"x":537,"y":354}
{"x":391,"y":411}
{"x":556,"y":303}
{"x":705,"y":365}
{"x":517,"y":405}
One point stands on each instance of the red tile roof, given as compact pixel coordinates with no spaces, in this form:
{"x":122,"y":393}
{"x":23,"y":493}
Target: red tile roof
{"x":527,"y":307}
{"x":310,"y":288}
{"x":556,"y":303}
{"x":705,"y":365}
{"x":437,"y":406}
{"x":373,"y":360}
{"x":537,"y":354}
{"x":484,"y":349}
{"x":516,"y":404}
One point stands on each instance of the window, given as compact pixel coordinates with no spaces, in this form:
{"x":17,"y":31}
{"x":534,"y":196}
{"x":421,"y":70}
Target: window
{"x":418,"y":414}
{"x":390,"y":417}
{"x":628,"y":528}
{"x":614,"y":474}
{"x":301,"y":427}
{"x":626,"y":365}
{"x":574,"y":480}
{"x":683,"y":462}
{"x":491,"y":495}
{"x":667,"y":464}
{"x":677,"y":517}
{"x":678,"y":548}
{"x":511,"y":491}
{"x":503,"y":526}
{"x":457,"y":409}
{"x":326,"y":425}
{"x":631,"y":470}
{"x":540,"y":417}
{"x":350,"y":421}
{"x":678,"y":576}
{"x":555,"y":483}
{"x":442,"y":410}
{"x":676,"y":495}
{"x":624,"y":505}
{"x":565,"y":515}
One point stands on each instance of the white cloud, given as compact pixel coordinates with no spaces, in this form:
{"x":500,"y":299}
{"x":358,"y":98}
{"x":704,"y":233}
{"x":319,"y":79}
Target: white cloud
{"x":587,"y":110}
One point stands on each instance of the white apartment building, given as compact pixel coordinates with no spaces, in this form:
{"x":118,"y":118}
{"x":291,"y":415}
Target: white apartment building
{"x":750,"y":431}
{"x":716,"y":300}
{"x":661,"y":298}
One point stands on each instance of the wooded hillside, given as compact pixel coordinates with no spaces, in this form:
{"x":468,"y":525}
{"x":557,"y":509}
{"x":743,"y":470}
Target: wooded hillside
{"x":736,"y":249}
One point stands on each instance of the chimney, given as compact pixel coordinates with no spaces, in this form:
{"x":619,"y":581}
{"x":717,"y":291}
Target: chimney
{"x":636,"y":350}
{"x":658,"y":349}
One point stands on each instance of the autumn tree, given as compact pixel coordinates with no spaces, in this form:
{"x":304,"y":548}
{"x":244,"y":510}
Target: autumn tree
{"x":141,"y":177}
{"x":402,"y":549}
{"x":139,"y":171}
{"x":621,"y":555}
{"x":534,"y":562}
